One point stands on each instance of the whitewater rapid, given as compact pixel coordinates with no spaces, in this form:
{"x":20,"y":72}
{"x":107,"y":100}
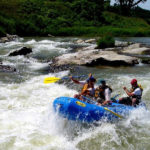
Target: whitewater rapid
{"x":27,"y":119}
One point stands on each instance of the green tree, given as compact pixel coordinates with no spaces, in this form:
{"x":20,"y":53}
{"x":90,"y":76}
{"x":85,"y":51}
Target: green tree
{"x":127,"y":5}
{"x":88,"y":9}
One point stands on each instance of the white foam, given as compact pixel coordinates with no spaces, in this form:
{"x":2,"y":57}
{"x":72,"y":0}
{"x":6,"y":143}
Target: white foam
{"x":26,"y":106}
{"x":31,"y":42}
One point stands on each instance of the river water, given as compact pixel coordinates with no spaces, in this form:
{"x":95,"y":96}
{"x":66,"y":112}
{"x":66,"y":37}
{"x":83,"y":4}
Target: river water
{"x":27,"y":120}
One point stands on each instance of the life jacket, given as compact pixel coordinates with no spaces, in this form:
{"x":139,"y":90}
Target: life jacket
{"x":85,"y":87}
{"x":100,"y":92}
{"x":86,"y":91}
{"x":140,"y":86}
{"x":137,"y":96}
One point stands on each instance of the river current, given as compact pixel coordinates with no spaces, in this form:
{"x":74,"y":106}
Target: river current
{"x":27,"y":120}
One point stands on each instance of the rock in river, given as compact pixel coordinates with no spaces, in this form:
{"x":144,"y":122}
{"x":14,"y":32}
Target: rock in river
{"x":8,"y":38}
{"x":136,"y":49}
{"x":6,"y":68}
{"x":93,"y":56}
{"x":22,"y":51}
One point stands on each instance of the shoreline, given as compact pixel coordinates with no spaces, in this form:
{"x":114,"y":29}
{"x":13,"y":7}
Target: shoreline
{"x":91,"y":31}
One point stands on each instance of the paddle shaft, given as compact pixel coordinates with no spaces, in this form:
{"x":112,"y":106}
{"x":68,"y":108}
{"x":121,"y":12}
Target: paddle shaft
{"x":113,"y":112}
{"x":94,"y":102}
{"x":74,"y":77}
{"x":55,"y":79}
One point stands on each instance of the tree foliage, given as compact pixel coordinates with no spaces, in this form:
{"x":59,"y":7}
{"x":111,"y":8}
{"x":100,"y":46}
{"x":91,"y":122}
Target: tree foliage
{"x":126,"y":5}
{"x":88,"y":9}
{"x":70,"y":17}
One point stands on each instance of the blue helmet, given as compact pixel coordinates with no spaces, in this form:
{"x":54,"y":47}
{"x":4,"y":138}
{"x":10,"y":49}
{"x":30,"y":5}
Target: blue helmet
{"x":91,"y":79}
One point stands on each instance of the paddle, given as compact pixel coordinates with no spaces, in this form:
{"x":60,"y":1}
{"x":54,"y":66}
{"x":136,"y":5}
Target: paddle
{"x":113,"y":112}
{"x":55,"y":79}
{"x":113,"y":99}
{"x":115,"y":96}
{"x":93,"y":102}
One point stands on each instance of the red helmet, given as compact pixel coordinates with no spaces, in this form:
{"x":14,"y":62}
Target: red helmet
{"x":133,"y":81}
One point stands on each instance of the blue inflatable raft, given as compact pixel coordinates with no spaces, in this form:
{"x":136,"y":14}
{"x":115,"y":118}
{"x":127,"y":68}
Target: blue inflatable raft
{"x":74,"y":109}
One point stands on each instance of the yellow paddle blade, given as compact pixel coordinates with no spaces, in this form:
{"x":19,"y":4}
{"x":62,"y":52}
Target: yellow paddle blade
{"x":51,"y":80}
{"x":113,"y":112}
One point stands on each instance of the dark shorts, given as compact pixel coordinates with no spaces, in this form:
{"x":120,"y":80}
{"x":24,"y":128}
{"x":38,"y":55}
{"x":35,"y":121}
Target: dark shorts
{"x":99,"y":100}
{"x":126,"y":101}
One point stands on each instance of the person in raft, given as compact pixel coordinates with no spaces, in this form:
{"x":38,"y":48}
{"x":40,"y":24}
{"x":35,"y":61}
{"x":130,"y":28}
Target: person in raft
{"x":103,"y":93}
{"x":87,"y":87}
{"x":134,"y":94}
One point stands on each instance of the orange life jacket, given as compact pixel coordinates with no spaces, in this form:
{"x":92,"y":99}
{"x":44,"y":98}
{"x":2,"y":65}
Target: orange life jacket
{"x":85,"y":90}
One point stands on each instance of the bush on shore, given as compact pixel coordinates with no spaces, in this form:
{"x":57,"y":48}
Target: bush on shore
{"x":106,"y":42}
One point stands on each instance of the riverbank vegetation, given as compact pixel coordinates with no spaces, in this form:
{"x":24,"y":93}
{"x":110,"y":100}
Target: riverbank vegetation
{"x":71,"y":18}
{"x":105,"y":41}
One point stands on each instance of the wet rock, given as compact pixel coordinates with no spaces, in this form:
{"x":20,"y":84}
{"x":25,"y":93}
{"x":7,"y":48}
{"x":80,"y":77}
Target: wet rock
{"x":8,"y":38}
{"x":11,"y":37}
{"x":57,"y":68}
{"x":146,"y":52}
{"x":79,"y":41}
{"x":49,"y":35}
{"x":92,"y":57}
{"x":6,"y":68}
{"x":4,"y":40}
{"x":22,"y":51}
{"x":136,"y":49}
{"x":90,"y":41}
{"x":145,"y":60}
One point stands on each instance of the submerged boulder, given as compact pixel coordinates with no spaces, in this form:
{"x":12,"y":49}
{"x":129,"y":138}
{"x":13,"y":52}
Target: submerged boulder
{"x":7,"y":68}
{"x":57,"y":68}
{"x":22,"y":51}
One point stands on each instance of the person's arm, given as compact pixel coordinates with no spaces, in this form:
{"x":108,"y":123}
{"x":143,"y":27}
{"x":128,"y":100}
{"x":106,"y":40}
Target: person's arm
{"x":128,"y":92}
{"x":93,"y":91}
{"x":107,"y":94}
{"x":75,"y":81}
